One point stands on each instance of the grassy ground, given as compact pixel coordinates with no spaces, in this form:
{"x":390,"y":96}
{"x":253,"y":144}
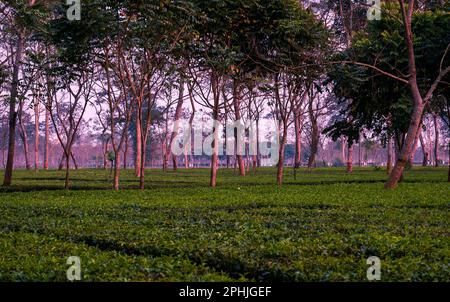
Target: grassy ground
{"x":321,"y":227}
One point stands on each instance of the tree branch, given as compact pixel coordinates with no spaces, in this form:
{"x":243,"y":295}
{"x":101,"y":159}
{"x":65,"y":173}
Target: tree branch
{"x":378,"y":70}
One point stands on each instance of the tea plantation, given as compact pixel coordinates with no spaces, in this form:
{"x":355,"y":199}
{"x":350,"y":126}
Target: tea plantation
{"x":320,"y":227}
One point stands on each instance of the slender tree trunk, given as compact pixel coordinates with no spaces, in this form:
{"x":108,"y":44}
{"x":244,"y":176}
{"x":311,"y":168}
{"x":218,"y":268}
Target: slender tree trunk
{"x":215,"y":144}
{"x":448,"y":177}
{"x":105,"y":151}
{"x":3,"y":156}
{"x":237,"y":110}
{"x":165,"y":154}
{"x":215,"y":147}
{"x":142,"y":165}
{"x":258,"y":148}
{"x":436,"y":140}
{"x":36,"y":135}
{"x":138,"y":155}
{"x":116,"y":171}
{"x":75,"y":164}
{"x":187,"y":158}
{"x":281,"y":153}
{"x":350,"y":158}
{"x":389,"y":156}
{"x":3,"y":150}
{"x":12,"y":110}
{"x":225,"y":129}
{"x":125,"y":152}
{"x":61,"y":162}
{"x":24,"y":137}
{"x":47,"y":135}
{"x":314,"y":138}
{"x":144,"y":141}
{"x":359,"y":153}
{"x":67,"y":159}
{"x":424,"y":150}
{"x":176,"y":125}
{"x":227,"y":156}
{"x":174,"y":162}
{"x":298,"y":141}
{"x":49,"y":95}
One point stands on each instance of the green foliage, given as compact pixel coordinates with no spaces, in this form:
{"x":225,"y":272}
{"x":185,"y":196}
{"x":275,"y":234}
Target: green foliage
{"x":248,"y":38}
{"x":321,"y":227}
{"x":375,"y":101}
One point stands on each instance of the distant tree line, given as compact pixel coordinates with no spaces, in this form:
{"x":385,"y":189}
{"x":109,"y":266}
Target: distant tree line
{"x":319,"y":68}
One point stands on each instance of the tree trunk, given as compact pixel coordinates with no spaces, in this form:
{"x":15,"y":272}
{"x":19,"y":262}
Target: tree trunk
{"x":359,"y":153}
{"x":142,"y":165}
{"x":389,"y":156}
{"x":4,"y":136}
{"x":343,"y":143}
{"x":176,"y":125}
{"x":116,"y":171}
{"x":105,"y":151}
{"x":186,"y":160}
{"x":125,"y":152}
{"x":350,"y":158}
{"x":61,"y":162}
{"x":47,"y":125}
{"x":237,"y":110}
{"x":398,"y":145}
{"x":436,"y":140}
{"x":225,"y":147}
{"x":281,"y":153}
{"x":66,"y":182}
{"x":448,"y":177}
{"x":74,"y":160}
{"x":24,"y":137}
{"x":165,"y":154}
{"x":413,"y":153}
{"x":189,"y":148}
{"x":175,"y":162}
{"x":215,"y":145}
{"x":138,"y":153}
{"x":36,"y":135}
{"x":314,"y":138}
{"x":298,"y":141}
{"x":12,"y":110}
{"x":418,"y":106}
{"x":258,"y":148}
{"x":214,"y":161}
{"x":3,"y":155}
{"x":144,"y":140}
{"x":424,"y":150}
{"x":408,"y":146}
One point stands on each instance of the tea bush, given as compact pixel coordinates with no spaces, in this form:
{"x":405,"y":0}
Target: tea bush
{"x":321,"y":227}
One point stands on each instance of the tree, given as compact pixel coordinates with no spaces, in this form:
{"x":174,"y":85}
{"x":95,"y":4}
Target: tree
{"x":22,"y":12}
{"x":67,"y":114}
{"x":381,"y":49}
{"x":420,"y":100}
